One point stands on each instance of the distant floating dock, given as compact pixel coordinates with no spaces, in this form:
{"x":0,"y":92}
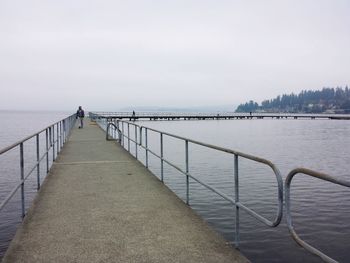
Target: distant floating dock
{"x":212,"y":116}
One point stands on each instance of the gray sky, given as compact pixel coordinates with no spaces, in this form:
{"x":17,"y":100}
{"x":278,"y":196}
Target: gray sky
{"x":110,"y":54}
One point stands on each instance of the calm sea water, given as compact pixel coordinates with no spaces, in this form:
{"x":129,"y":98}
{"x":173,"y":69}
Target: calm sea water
{"x":14,"y":126}
{"x":321,"y":211}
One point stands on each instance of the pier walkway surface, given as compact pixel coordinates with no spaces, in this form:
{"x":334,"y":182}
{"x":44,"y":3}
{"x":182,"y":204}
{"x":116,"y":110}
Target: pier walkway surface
{"x":99,"y":204}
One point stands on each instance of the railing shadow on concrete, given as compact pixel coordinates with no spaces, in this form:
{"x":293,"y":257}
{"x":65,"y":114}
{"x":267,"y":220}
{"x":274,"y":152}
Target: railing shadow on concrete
{"x":113,"y":128}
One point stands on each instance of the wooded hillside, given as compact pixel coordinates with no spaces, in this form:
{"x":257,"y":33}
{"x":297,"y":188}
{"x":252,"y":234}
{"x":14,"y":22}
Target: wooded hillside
{"x":331,"y":100}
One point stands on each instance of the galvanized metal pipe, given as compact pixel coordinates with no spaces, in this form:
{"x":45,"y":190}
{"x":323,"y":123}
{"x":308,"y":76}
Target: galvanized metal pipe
{"x":61,"y":135}
{"x":236,"y":201}
{"x":187,"y":172}
{"x":22,"y":179}
{"x":135,"y":142}
{"x":276,"y":171}
{"x":295,"y":236}
{"x":3,"y":150}
{"x":47,"y":151}
{"x":50,"y":141}
{"x":118,"y":129}
{"x":128,"y":137}
{"x":114,"y":130}
{"x":38,"y":161}
{"x":64,"y":131}
{"x":161,"y":158}
{"x":58,"y":142}
{"x":123,"y":134}
{"x":146,"y":141}
{"x":59,"y":139}
{"x":53,"y":143}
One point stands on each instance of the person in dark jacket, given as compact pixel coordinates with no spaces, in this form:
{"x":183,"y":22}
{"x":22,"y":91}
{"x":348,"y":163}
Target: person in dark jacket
{"x":81,"y":115}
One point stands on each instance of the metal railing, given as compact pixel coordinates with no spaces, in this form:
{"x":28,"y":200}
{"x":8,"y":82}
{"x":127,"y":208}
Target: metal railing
{"x":123,"y":130}
{"x":113,"y":129}
{"x":288,"y":181}
{"x":55,"y":137}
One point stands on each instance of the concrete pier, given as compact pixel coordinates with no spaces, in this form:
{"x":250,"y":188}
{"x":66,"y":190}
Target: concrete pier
{"x":99,"y":204}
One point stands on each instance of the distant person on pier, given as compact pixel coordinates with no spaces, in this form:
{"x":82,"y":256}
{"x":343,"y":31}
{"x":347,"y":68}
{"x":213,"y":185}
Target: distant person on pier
{"x":81,"y":115}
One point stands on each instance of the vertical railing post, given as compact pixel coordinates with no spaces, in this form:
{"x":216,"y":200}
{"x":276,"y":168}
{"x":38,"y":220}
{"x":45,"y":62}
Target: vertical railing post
{"x":161,"y":158}
{"x":187,"y":177}
{"x":58,"y":139}
{"x":146,"y":142}
{"x":61,"y":135}
{"x":236,"y":200}
{"x":115,"y":130}
{"x":38,"y":161}
{"x":64,"y":131}
{"x":22,"y":178}
{"x":118,"y":129}
{"x":123,"y":134}
{"x":53,"y":142}
{"x":135,"y":141}
{"x":128,"y":137}
{"x":47,"y":151}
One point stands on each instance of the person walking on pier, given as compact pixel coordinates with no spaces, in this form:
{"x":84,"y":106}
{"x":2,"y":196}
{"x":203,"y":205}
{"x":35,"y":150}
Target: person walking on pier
{"x":81,"y":115}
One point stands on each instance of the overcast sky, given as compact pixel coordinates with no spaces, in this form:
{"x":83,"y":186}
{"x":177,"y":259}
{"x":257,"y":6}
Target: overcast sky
{"x":105,"y":55}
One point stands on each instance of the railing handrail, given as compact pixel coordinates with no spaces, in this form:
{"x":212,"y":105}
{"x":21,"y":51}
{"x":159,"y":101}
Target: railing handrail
{"x":7,"y":148}
{"x":227,"y":150}
{"x":276,"y":171}
{"x":288,"y":181}
{"x":63,"y":128}
{"x":107,"y":130}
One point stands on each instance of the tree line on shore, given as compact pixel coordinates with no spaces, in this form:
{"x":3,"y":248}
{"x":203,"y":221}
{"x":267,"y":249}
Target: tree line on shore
{"x":327,"y":100}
